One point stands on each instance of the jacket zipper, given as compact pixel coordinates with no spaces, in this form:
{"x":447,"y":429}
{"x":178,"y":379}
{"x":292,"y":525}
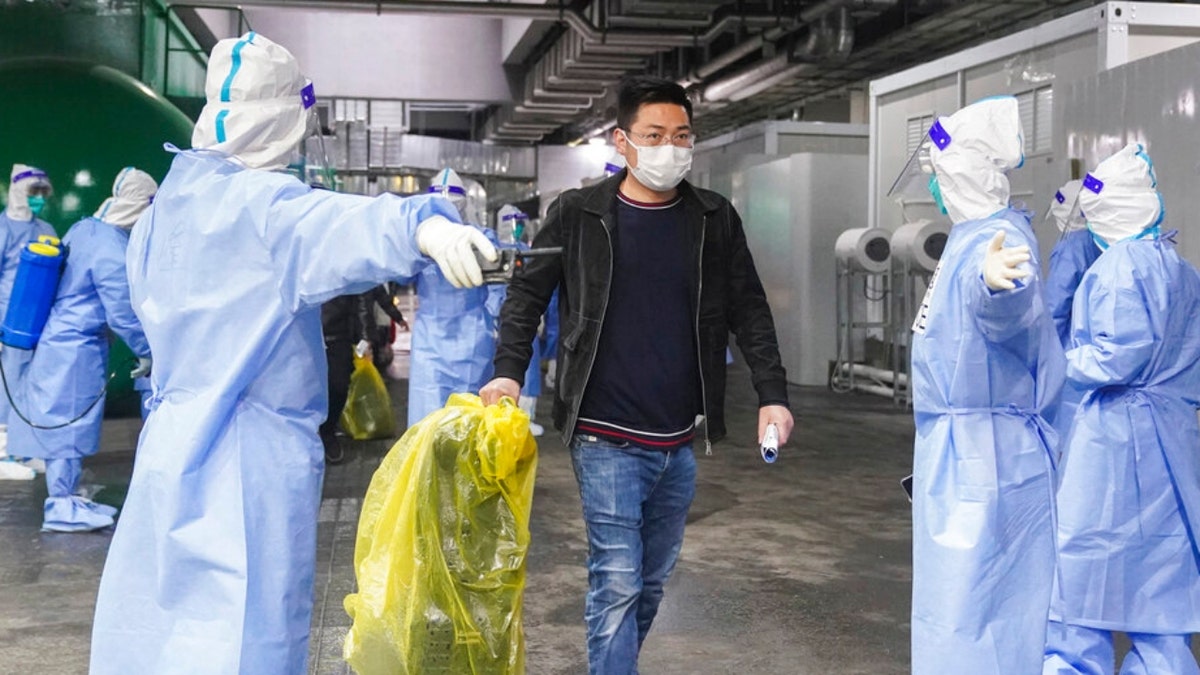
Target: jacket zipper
{"x":699,"y":356}
{"x":603,"y":312}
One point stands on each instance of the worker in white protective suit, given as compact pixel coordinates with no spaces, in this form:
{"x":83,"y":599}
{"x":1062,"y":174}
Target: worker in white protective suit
{"x":19,"y":224}
{"x":211,"y":567}
{"x":987,"y":371}
{"x":1129,"y":481}
{"x":59,"y":402}
{"x":453,"y":336}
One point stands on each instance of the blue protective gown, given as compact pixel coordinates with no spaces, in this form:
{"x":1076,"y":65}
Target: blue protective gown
{"x":453,"y":342}
{"x":211,"y":567}
{"x":1072,"y":256}
{"x":1129,"y":494}
{"x":68,"y":370}
{"x":549,"y":348}
{"x":532,"y":386}
{"x":987,"y":371}
{"x":14,"y":234}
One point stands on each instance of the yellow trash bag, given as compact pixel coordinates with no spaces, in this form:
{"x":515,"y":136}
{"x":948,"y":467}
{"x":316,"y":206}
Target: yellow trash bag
{"x":368,"y":412}
{"x":442,"y":539}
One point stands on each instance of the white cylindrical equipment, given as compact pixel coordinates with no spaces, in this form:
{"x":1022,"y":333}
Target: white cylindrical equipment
{"x":865,"y":249}
{"x":920,"y":243}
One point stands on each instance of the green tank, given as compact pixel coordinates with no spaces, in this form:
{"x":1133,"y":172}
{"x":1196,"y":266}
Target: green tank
{"x":82,"y":123}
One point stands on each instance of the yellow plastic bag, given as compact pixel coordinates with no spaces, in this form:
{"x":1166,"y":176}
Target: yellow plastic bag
{"x":442,"y":540}
{"x":368,"y":412}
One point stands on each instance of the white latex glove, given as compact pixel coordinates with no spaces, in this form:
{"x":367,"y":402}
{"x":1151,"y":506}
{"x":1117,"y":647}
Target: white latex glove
{"x":452,"y":247}
{"x":1001,"y":266}
{"x":362,"y":348}
{"x":142,"y":370}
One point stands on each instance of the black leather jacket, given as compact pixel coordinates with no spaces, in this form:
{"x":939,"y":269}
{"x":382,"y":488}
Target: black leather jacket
{"x":730,"y":298}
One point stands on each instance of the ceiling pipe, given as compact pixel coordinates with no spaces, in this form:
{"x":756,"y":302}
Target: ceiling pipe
{"x":824,"y":41}
{"x":790,"y":73}
{"x":722,"y":88}
{"x":744,"y":49}
{"x":731,"y":56}
{"x":838,"y":49}
{"x":719,"y":22}
{"x":552,"y":112}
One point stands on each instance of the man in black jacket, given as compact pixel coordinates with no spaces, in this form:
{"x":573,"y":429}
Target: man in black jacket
{"x":654,"y":275}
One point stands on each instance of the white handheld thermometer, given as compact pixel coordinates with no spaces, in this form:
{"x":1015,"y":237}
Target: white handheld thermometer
{"x":770,"y":444}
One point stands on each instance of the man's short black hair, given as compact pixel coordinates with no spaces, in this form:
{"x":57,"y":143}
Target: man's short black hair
{"x":639,"y":90}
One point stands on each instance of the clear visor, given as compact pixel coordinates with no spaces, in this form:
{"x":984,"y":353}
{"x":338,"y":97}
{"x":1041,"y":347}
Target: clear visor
{"x":1077,"y":221}
{"x":456,"y":195}
{"x":913,"y":181}
{"x":1066,"y":217}
{"x":310,"y":161}
{"x":39,"y":188}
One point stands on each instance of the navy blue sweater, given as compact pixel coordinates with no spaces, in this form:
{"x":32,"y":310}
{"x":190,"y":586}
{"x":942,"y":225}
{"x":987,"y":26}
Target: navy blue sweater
{"x":645,"y":382}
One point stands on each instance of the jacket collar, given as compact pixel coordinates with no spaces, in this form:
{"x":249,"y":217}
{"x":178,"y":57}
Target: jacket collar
{"x":600,"y":201}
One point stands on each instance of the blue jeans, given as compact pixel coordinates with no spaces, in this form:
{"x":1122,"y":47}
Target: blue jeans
{"x":635,"y":504}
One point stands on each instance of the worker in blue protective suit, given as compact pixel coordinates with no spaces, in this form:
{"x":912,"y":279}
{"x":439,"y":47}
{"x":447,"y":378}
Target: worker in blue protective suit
{"x":549,"y":341}
{"x":1071,"y":257}
{"x":987,"y":371}
{"x":510,"y":231}
{"x":1129,"y":492}
{"x":211,"y":566}
{"x":454,"y":332}
{"x":62,"y":391}
{"x":19,"y":224}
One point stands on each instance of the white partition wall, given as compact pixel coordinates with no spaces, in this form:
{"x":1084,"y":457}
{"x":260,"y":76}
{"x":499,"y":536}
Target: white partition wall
{"x":793,"y":209}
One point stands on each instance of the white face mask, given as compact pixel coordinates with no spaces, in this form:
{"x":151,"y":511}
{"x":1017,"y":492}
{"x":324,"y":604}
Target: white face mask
{"x":660,"y":167}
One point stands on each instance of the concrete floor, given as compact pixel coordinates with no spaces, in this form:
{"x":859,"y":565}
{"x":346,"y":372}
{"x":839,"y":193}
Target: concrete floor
{"x":793,"y":568}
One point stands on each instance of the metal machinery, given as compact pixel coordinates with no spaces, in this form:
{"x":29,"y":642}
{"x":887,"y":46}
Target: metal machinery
{"x":916,"y":249}
{"x":863,"y":256}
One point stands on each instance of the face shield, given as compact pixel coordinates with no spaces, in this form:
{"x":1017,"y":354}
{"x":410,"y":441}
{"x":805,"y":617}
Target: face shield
{"x":448,"y":184}
{"x":917,"y":182}
{"x":309,"y":160}
{"x":512,"y":227}
{"x":1064,"y":211}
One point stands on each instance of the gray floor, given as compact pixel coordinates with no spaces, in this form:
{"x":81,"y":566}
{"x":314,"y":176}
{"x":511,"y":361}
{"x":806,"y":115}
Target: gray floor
{"x":794,"y":568}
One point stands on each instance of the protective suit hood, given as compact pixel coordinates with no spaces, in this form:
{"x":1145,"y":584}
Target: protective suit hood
{"x":133,"y":192}
{"x":257,"y":103}
{"x":1120,"y":199}
{"x":23,"y":178}
{"x":974,"y":149}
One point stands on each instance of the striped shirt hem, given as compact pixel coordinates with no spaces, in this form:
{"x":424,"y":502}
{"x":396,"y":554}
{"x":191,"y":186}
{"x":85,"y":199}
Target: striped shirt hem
{"x":659,"y":441}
